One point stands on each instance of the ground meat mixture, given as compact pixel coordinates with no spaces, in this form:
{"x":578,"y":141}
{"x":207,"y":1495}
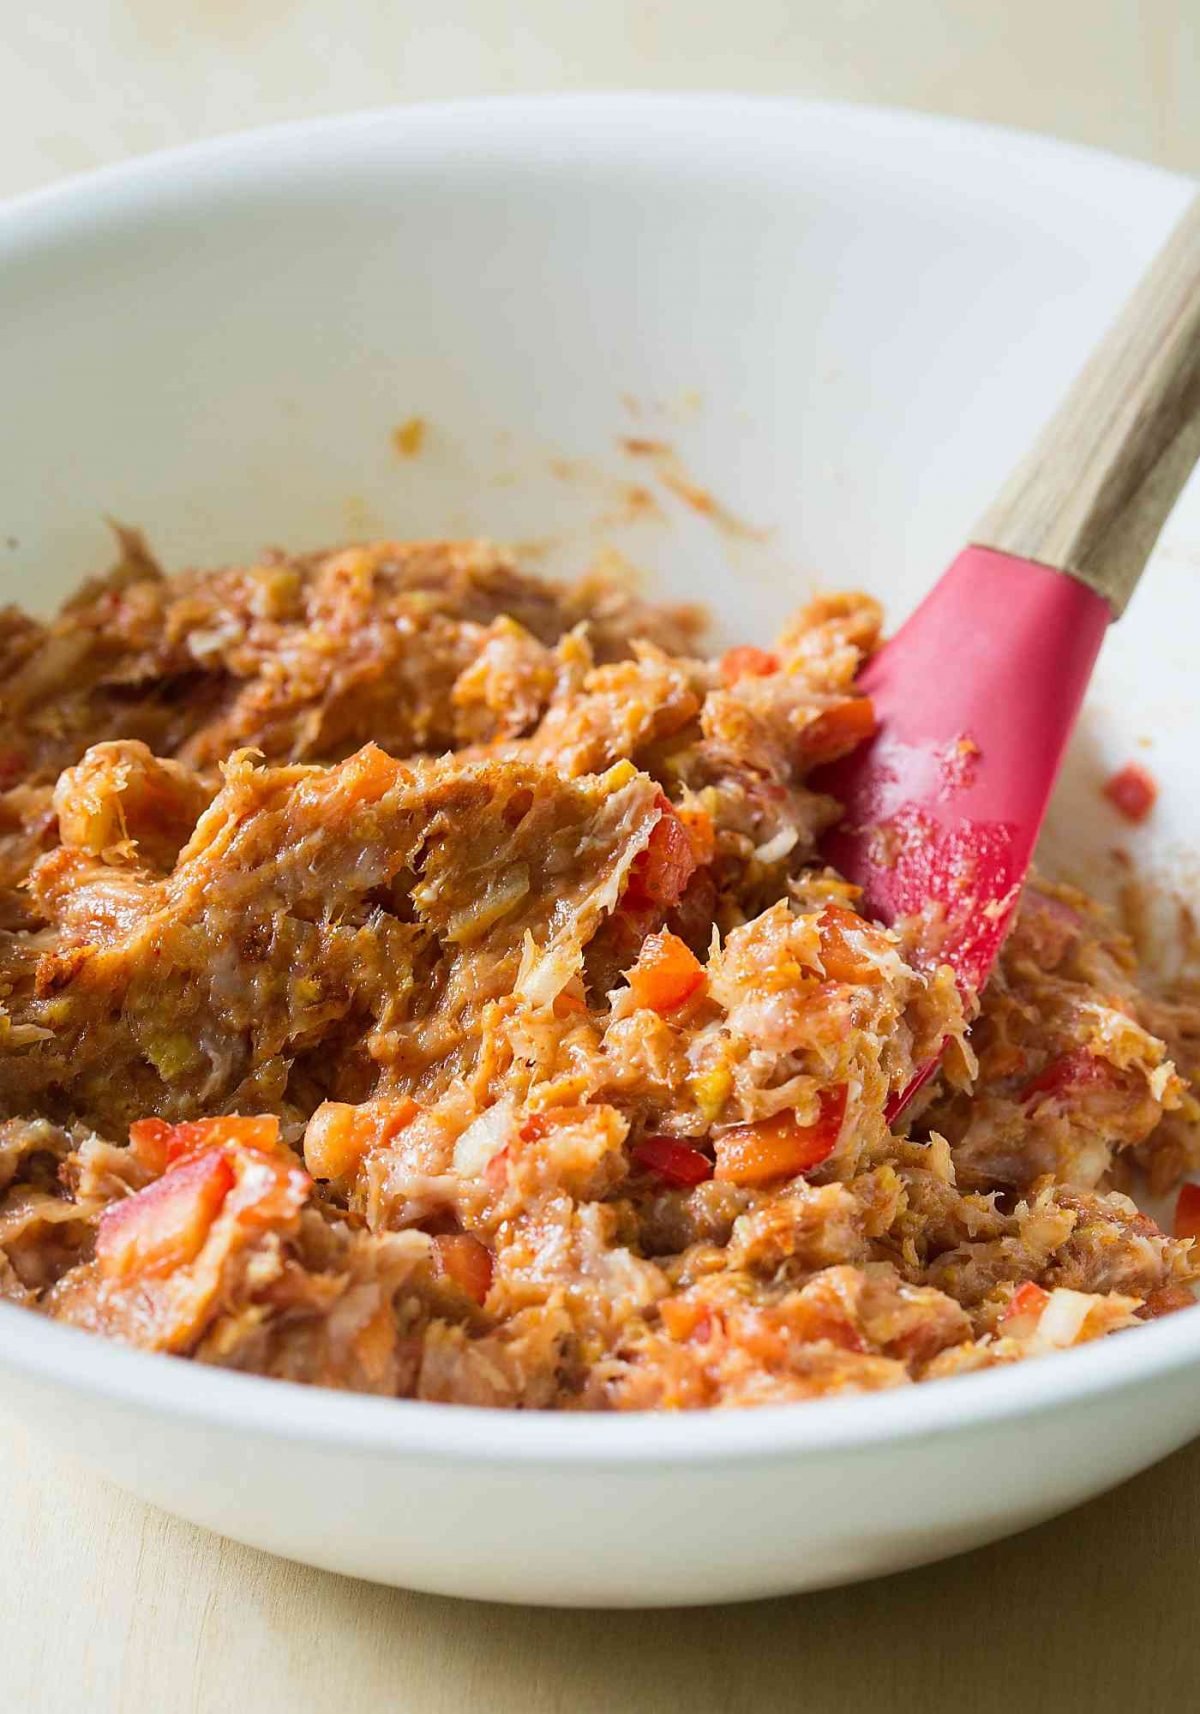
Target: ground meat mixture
{"x":421,"y":979}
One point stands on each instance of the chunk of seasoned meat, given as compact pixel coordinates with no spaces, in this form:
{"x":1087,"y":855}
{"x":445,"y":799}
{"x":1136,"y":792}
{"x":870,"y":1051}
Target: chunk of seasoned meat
{"x":419,"y":647}
{"x":342,"y":925}
{"x":1071,"y":1074}
{"x":303,"y":657}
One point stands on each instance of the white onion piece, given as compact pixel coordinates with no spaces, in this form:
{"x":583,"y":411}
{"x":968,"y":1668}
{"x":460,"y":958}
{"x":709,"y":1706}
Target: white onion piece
{"x":483,"y":1138}
{"x":1062,"y":1320}
{"x":1160,"y":1077}
{"x":778,"y":846}
{"x":543,"y":975}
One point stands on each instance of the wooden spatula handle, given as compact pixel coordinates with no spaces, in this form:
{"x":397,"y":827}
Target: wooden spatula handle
{"x":1095,"y":491}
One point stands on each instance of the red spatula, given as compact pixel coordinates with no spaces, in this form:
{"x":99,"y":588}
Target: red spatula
{"x":977,"y":693}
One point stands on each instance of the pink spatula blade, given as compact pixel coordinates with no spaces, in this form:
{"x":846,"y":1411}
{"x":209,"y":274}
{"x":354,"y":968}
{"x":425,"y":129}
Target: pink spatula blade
{"x":975,"y":696}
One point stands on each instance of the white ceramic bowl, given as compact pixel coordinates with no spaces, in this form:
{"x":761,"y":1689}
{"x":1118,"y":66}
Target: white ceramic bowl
{"x":847,"y":323}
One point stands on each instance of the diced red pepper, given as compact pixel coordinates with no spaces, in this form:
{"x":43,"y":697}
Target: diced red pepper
{"x":270,"y":1190}
{"x":660,"y":873}
{"x":1187,"y":1212}
{"x":1067,"y":1071}
{"x":153,"y":1139}
{"x":260,"y":1133}
{"x":666,"y":974}
{"x":1028,"y":1299}
{"x":778,"y":1147}
{"x":838,"y":730}
{"x":673,"y":1162}
{"x":700,"y":831}
{"x":461,"y":1258}
{"x":1132,"y":791}
{"x":684,"y":1318}
{"x":844,"y":1334}
{"x":747,"y":662}
{"x":763,"y":1334}
{"x":844,"y":960}
{"x":148,"y":1140}
{"x":164,"y":1226}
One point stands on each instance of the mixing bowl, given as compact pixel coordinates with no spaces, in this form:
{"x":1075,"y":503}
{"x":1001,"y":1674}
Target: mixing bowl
{"x":844,"y":324}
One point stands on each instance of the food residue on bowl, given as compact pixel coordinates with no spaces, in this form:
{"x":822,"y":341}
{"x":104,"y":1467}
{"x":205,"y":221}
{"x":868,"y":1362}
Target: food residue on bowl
{"x":670,"y":473}
{"x":408,"y":437}
{"x":1132,"y":791}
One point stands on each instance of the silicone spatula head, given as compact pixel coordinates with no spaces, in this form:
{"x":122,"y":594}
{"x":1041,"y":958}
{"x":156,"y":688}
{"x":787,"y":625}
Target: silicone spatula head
{"x":977,"y":694}
{"x":975,"y":699}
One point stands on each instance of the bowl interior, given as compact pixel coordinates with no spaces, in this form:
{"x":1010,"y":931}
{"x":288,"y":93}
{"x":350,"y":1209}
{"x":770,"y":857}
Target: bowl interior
{"x":844,"y":325}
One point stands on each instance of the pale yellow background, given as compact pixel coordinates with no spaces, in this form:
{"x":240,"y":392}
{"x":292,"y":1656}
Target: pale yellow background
{"x":106,"y":1605}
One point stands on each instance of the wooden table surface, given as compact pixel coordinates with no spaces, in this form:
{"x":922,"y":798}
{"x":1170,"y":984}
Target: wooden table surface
{"x":106,"y":1605}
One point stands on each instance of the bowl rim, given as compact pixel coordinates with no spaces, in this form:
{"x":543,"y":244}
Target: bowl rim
{"x":624,"y":125}
{"x":524,"y":122}
{"x":322,"y":1417}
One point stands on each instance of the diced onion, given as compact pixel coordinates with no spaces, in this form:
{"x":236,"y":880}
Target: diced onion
{"x":483,"y":1138}
{"x":1062,"y":1320}
{"x":777,"y":846}
{"x":1160,"y":1077}
{"x":543,"y":975}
